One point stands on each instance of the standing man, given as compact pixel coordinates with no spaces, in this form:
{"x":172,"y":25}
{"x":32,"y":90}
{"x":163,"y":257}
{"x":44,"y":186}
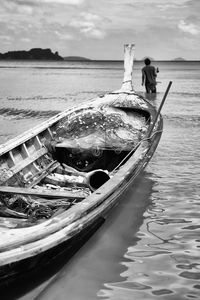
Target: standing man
{"x":149,"y":76}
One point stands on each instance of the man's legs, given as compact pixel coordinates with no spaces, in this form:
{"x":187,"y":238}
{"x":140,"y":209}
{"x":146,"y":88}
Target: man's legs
{"x":153,"y":88}
{"x":148,"y":90}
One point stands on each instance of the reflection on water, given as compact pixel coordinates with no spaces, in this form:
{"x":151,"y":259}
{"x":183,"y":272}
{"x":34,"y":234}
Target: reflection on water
{"x":151,"y":96}
{"x":165,"y":261}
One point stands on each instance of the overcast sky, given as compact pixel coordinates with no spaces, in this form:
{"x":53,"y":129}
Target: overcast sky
{"x":97,"y":29}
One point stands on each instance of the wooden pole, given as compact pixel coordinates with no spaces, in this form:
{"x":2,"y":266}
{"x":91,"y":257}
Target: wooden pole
{"x":160,"y":107}
{"x":128,"y":66}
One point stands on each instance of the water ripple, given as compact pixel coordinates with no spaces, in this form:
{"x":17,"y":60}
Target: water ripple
{"x":21,"y":113}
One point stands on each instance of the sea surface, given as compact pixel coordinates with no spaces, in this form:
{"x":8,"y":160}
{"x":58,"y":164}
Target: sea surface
{"x":149,"y":247}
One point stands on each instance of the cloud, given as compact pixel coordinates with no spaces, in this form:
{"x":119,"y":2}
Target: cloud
{"x":188,"y":28}
{"x":70,"y":2}
{"x":81,"y":25}
{"x":90,"y":17}
{"x":35,"y":2}
{"x":62,"y":36}
{"x":93,"y":32}
{"x":5,"y":40}
{"x":26,"y":40}
{"x":25,"y":9}
{"x":5,"y":37}
{"x":168,"y":6}
{"x":159,"y":2}
{"x":88,"y":24}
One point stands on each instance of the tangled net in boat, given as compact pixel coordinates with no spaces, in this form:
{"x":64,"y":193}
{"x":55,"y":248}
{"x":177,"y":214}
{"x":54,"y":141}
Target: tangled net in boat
{"x":110,"y":128}
{"x":22,"y":207}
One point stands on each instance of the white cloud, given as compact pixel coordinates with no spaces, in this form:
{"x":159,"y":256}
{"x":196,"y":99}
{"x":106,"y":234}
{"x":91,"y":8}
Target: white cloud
{"x":188,"y":28}
{"x":34,"y":3}
{"x":81,"y":24}
{"x":71,"y":2}
{"x":26,"y":40}
{"x":25,"y":9}
{"x":5,"y":37}
{"x":90,"y":17}
{"x":93,"y":32}
{"x":6,"y":40}
{"x":62,"y":36}
{"x":168,"y":6}
{"x":87,"y":24}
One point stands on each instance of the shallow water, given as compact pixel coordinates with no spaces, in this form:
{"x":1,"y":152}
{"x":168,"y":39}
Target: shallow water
{"x":149,"y":247}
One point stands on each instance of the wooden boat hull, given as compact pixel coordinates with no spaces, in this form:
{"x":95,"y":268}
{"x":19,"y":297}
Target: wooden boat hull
{"x":125,"y":119}
{"x":96,"y":207}
{"x":82,"y":229}
{"x":21,"y":273}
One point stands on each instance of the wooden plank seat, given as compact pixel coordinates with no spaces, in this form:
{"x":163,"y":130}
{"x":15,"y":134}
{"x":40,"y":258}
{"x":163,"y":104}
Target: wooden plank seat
{"x":44,"y":192}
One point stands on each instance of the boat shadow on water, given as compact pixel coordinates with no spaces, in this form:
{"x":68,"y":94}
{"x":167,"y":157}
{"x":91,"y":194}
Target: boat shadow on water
{"x":48,"y":273}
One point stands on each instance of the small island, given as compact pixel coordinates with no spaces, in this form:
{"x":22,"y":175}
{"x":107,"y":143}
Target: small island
{"x":76,"y":58}
{"x":32,"y":54}
{"x":179,"y":59}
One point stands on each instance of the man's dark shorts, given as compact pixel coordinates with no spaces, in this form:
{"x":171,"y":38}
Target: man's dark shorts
{"x":150,"y":88}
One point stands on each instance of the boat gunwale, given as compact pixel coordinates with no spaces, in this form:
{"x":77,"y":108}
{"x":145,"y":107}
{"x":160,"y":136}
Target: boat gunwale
{"x":64,"y":233}
{"x":28,"y":134}
{"x":56,"y":223}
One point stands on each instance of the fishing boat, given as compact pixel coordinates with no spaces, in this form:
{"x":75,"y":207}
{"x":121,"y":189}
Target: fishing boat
{"x":60,"y":177}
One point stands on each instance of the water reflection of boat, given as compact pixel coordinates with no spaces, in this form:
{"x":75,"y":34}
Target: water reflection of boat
{"x":63,"y":176}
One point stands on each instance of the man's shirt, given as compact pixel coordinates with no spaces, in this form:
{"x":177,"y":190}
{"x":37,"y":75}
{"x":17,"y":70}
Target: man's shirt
{"x":149,"y":74}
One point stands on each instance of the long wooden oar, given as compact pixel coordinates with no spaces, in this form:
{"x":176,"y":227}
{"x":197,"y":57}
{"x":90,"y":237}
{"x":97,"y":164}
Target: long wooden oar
{"x":159,"y":109}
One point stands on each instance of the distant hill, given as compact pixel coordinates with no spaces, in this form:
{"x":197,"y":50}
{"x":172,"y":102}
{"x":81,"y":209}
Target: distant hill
{"x":33,"y":54}
{"x":76,"y":58}
{"x":179,"y":59}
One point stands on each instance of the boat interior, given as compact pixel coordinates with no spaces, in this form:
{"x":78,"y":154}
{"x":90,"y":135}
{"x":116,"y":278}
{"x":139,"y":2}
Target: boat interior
{"x":52,"y":169}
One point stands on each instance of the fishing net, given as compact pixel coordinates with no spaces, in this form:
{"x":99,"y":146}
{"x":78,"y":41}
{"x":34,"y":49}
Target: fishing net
{"x":111,"y":128}
{"x":22,"y":207}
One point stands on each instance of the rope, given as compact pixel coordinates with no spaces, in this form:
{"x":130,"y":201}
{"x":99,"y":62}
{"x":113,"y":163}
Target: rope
{"x":145,"y":139}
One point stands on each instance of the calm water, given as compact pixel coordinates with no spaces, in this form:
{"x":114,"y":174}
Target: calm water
{"x":149,"y":248}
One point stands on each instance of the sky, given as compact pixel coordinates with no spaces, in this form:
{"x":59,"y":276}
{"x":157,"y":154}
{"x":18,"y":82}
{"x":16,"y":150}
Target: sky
{"x":98,"y":29}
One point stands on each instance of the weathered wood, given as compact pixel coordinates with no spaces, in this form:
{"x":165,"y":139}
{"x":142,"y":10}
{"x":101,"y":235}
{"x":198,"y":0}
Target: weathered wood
{"x":12,"y":157}
{"x":7,"y":212}
{"x":25,"y":150}
{"x":42,"y":192}
{"x":32,"y":132}
{"x":13,"y":222}
{"x":27,"y":161}
{"x":128,"y":67}
{"x":49,"y":132}
{"x":77,"y":218}
{"x":43,"y":173}
{"x":38,"y":142}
